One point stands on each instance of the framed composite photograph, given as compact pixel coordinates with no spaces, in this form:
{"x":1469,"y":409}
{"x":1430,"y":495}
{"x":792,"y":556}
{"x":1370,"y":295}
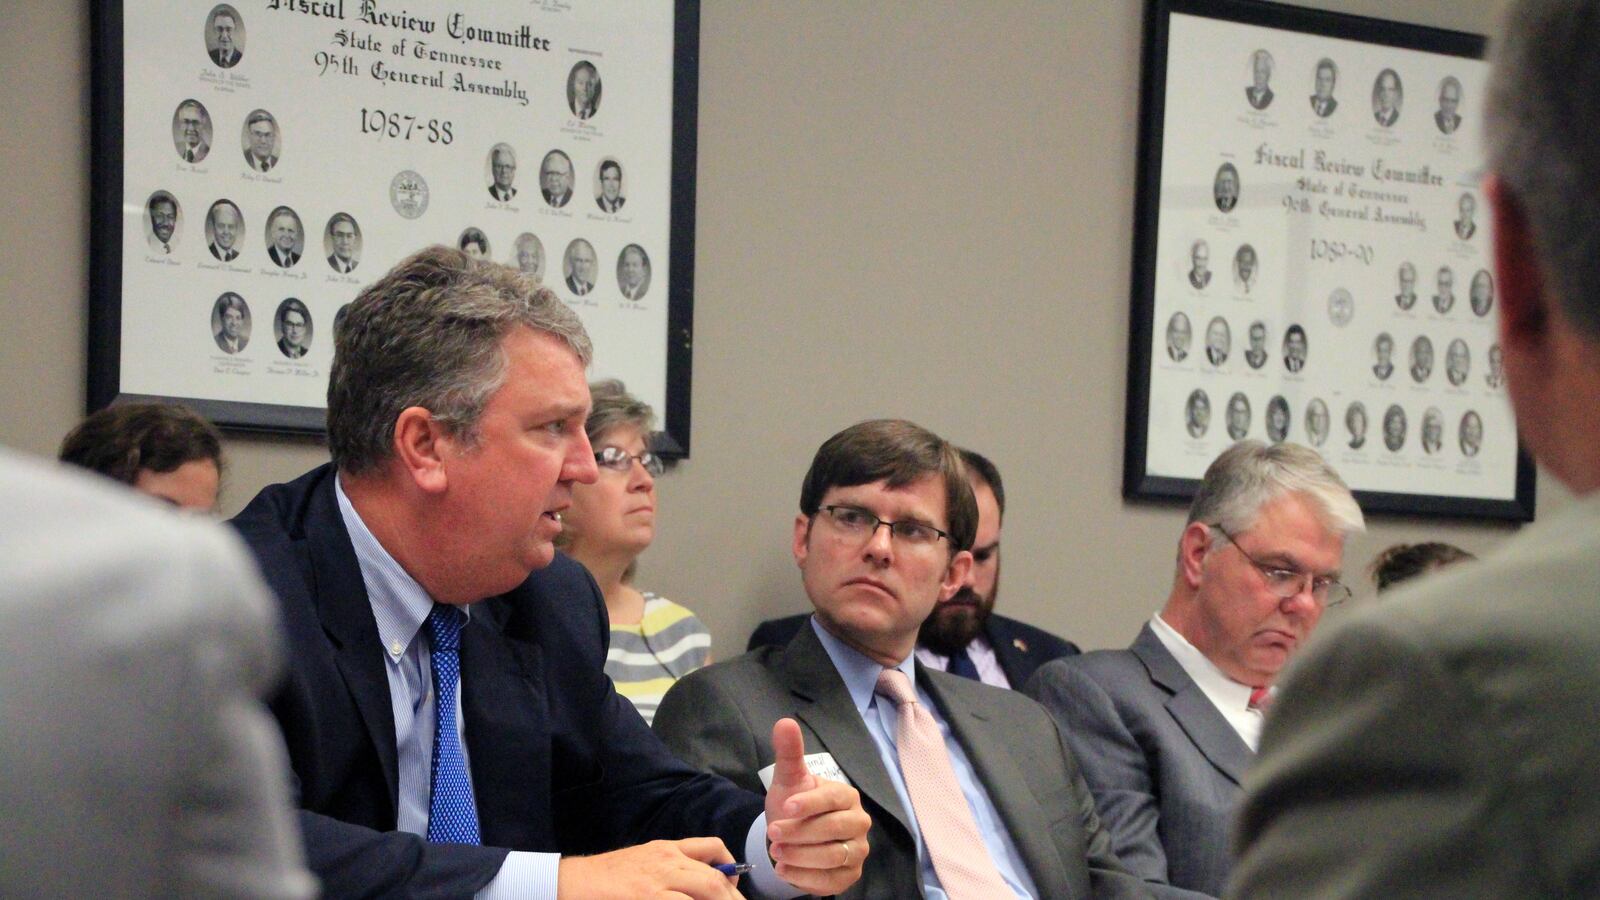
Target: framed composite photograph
{"x":1312,"y":258}
{"x":256,"y":163}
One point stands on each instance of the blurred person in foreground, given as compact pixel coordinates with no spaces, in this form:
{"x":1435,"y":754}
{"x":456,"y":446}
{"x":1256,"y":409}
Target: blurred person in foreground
{"x":135,"y":757}
{"x":654,"y":641}
{"x":1442,"y":743}
{"x":161,"y":449}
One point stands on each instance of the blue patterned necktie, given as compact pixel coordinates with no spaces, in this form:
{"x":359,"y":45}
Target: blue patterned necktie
{"x":452,"y":813}
{"x":961,"y":664}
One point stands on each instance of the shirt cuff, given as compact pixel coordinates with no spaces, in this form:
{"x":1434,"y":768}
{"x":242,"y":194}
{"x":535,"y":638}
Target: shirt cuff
{"x":528,"y":876}
{"x":763,"y":879}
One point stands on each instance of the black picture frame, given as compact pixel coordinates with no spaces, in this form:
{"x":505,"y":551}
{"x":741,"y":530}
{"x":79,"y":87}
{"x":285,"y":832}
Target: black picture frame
{"x":1139,"y":482}
{"x":107,"y":200}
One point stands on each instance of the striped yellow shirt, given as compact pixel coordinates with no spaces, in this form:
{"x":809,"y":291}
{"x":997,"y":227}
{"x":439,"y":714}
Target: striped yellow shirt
{"x":645,"y":659}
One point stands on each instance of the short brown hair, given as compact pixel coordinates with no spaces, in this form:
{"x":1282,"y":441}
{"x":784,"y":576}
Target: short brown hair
{"x":122,"y":441}
{"x":896,"y":452}
{"x":1403,"y":562}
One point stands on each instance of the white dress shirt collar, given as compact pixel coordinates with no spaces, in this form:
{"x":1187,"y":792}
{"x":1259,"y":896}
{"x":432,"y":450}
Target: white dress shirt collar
{"x":1231,"y":698}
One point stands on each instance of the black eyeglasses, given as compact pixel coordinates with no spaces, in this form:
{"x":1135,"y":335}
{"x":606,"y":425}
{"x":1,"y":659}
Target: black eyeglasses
{"x":1287,"y":583}
{"x":619,"y":460}
{"x":860,"y":523}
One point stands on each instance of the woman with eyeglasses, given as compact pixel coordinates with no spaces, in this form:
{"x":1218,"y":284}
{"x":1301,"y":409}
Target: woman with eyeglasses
{"x":654,"y":641}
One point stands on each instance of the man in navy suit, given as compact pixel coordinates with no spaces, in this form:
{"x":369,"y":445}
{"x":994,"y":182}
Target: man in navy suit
{"x":963,"y":635}
{"x":446,"y":711}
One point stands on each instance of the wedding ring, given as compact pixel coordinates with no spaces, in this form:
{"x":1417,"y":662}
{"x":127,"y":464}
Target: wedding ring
{"x":846,"y":863}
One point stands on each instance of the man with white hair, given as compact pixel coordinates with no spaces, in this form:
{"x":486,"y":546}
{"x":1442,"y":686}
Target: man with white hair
{"x":1165,"y":730}
{"x":503,"y":165}
{"x":1443,"y":744}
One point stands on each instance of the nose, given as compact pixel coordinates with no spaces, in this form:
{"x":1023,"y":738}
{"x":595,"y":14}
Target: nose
{"x":639,"y":478}
{"x":580,"y":465}
{"x":879,"y":547}
{"x":1303,"y":600}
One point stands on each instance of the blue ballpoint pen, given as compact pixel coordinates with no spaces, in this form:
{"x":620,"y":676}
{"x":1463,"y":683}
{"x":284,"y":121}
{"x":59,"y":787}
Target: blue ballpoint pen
{"x":732,"y":869}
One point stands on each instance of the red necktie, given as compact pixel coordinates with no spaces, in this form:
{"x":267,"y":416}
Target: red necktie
{"x":1260,"y":699}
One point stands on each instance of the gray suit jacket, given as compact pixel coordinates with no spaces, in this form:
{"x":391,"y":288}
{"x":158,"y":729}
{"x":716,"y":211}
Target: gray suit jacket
{"x":1164,"y":765}
{"x":137,"y":758}
{"x":720,"y":719}
{"x":1444,"y":742}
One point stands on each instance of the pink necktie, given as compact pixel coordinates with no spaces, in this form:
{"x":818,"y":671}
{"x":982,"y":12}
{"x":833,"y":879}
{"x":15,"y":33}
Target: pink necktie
{"x":960,"y":858}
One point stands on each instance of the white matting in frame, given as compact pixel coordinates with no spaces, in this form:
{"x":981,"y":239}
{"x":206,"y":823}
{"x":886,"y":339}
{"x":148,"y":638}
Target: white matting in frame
{"x":1313,"y":262}
{"x":274,"y":157}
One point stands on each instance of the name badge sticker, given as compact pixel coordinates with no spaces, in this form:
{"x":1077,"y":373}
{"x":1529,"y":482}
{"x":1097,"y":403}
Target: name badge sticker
{"x":820,"y":764}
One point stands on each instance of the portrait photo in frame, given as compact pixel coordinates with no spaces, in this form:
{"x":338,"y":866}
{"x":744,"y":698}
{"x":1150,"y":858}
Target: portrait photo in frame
{"x":361,"y":138}
{"x":1310,"y":218}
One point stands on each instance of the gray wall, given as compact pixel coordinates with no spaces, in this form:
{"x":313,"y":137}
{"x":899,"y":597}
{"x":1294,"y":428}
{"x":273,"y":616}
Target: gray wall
{"x":896,"y":218}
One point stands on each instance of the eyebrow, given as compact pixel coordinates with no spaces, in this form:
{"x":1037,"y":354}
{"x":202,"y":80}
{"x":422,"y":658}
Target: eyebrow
{"x":904,"y":516}
{"x":1285,"y":559}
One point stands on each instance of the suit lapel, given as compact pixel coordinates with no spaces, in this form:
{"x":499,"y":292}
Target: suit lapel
{"x":1002,"y":778}
{"x":1193,"y":710}
{"x":346,"y":616}
{"x":1011,"y":657}
{"x":823,"y":703}
{"x":505,"y":713}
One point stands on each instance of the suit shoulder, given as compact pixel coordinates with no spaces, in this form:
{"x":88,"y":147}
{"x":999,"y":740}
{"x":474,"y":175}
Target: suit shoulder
{"x":776,"y":632}
{"x":1050,"y":645}
{"x":975,"y":696}
{"x":277,"y":513}
{"x":739,"y":682}
{"x":1106,"y":668}
{"x":740,"y":670}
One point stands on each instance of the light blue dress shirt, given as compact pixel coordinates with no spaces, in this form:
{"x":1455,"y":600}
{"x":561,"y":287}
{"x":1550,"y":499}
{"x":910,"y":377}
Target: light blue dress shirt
{"x":401,"y":606}
{"x":860,"y":676}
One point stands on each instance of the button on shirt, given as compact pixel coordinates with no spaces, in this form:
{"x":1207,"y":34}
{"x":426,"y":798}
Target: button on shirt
{"x":400,"y":605}
{"x":860,"y":676}
{"x":983,"y":658}
{"x":1231,"y":698}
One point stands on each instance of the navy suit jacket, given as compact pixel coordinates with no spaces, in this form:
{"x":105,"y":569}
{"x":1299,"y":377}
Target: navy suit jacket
{"x":560,"y":762}
{"x":1020,"y":647}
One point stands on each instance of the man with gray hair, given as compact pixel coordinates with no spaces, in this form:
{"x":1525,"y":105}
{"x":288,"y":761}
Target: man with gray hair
{"x":1444,"y":745}
{"x":427,"y":610}
{"x":1165,"y":730}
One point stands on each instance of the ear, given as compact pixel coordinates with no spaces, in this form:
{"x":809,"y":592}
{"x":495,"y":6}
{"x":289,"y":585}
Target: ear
{"x":1524,"y":314}
{"x":421,"y":446}
{"x":955,"y":575}
{"x":802,"y":536}
{"x":1192,"y":549}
